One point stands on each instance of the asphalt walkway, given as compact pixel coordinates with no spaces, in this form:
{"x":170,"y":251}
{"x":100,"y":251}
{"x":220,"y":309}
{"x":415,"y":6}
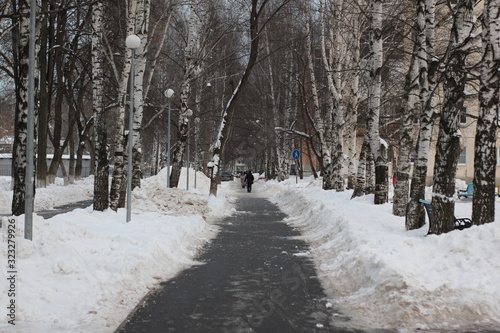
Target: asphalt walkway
{"x":255,"y":276}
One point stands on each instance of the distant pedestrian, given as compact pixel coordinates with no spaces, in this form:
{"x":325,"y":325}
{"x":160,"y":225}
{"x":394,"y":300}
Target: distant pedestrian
{"x":242,"y":179}
{"x":249,"y":180}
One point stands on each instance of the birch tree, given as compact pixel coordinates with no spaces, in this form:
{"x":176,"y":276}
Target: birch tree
{"x":101,"y":174}
{"x":378,"y":147}
{"x":352,"y":98}
{"x":332,"y":171}
{"x":191,"y":69}
{"x":449,"y":138}
{"x":118,"y":158}
{"x":485,"y":159}
{"x":428,"y":66}
{"x":20,"y":44}
{"x":141,"y":29}
{"x":323,"y":122}
{"x":401,"y":190}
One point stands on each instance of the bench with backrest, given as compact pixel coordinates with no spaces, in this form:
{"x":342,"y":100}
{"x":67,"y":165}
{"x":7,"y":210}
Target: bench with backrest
{"x":460,"y":223}
{"x":468,"y":193}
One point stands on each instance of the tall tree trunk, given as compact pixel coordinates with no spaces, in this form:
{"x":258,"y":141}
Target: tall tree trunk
{"x":360,"y":184}
{"x":415,"y":215}
{"x":322,"y":122}
{"x":101,"y":175}
{"x":46,"y":60}
{"x":191,"y":70}
{"x":59,"y":63}
{"x":118,"y":159}
{"x":448,"y":145}
{"x":335,"y":98}
{"x":377,"y":146}
{"x":83,"y":140}
{"x":352,"y":104}
{"x":402,"y":189}
{"x":485,"y":159}
{"x":20,"y":41}
{"x":141,"y":54}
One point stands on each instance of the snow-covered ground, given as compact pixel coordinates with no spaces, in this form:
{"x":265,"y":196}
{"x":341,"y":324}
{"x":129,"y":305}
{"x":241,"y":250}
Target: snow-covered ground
{"x":85,"y":271}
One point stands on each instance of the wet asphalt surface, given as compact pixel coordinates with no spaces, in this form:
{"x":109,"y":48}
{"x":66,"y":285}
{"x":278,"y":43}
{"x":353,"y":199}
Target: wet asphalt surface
{"x":255,"y":276}
{"x":46,"y":214}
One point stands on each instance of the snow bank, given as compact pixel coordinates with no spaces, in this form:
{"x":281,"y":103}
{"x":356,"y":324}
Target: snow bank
{"x":387,"y":277}
{"x":53,"y":195}
{"x":85,"y":271}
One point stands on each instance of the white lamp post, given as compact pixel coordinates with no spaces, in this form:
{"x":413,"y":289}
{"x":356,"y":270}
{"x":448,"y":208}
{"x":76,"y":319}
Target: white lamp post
{"x":196,"y":133}
{"x":168,"y":94}
{"x":29,"y":181}
{"x":189,"y":113}
{"x":132,"y":42}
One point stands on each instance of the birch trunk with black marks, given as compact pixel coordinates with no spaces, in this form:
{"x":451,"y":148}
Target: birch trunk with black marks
{"x":402,"y":188}
{"x":363,"y":164}
{"x":119,"y":175}
{"x":141,"y":55}
{"x":485,"y":159}
{"x":352,"y":101}
{"x":322,"y":120}
{"x":428,"y":65}
{"x":448,"y":146}
{"x":191,"y":69}
{"x":101,"y":173}
{"x":378,"y":147}
{"x":335,"y":46}
{"x":20,"y":41}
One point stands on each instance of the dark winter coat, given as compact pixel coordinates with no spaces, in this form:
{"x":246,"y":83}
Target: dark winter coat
{"x":249,"y":178}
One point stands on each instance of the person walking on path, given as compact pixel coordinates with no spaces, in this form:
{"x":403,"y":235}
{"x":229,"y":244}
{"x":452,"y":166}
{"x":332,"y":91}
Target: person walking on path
{"x":249,"y":178}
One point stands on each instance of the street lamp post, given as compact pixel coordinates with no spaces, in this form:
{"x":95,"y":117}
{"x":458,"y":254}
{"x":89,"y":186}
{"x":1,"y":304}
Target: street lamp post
{"x":196,"y":133}
{"x":189,"y":113}
{"x":168,"y":94}
{"x":29,"y":181}
{"x":132,"y":42}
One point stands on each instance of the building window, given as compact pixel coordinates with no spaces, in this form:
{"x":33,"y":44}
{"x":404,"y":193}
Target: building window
{"x":462,"y":160}
{"x":463,"y":117}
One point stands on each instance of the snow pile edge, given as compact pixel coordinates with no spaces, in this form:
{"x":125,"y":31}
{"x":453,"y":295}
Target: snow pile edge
{"x":401,"y":286}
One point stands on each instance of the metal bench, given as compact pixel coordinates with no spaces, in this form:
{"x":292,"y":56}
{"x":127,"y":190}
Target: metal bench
{"x":468,"y":193}
{"x":460,"y":223}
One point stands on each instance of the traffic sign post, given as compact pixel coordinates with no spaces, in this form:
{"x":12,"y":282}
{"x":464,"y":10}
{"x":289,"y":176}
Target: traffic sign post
{"x":296,"y":156}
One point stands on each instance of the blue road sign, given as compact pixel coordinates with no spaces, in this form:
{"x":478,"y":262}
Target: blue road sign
{"x":296,"y":154}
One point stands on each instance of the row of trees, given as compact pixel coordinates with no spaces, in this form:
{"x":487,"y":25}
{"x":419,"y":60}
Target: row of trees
{"x":262,"y":77}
